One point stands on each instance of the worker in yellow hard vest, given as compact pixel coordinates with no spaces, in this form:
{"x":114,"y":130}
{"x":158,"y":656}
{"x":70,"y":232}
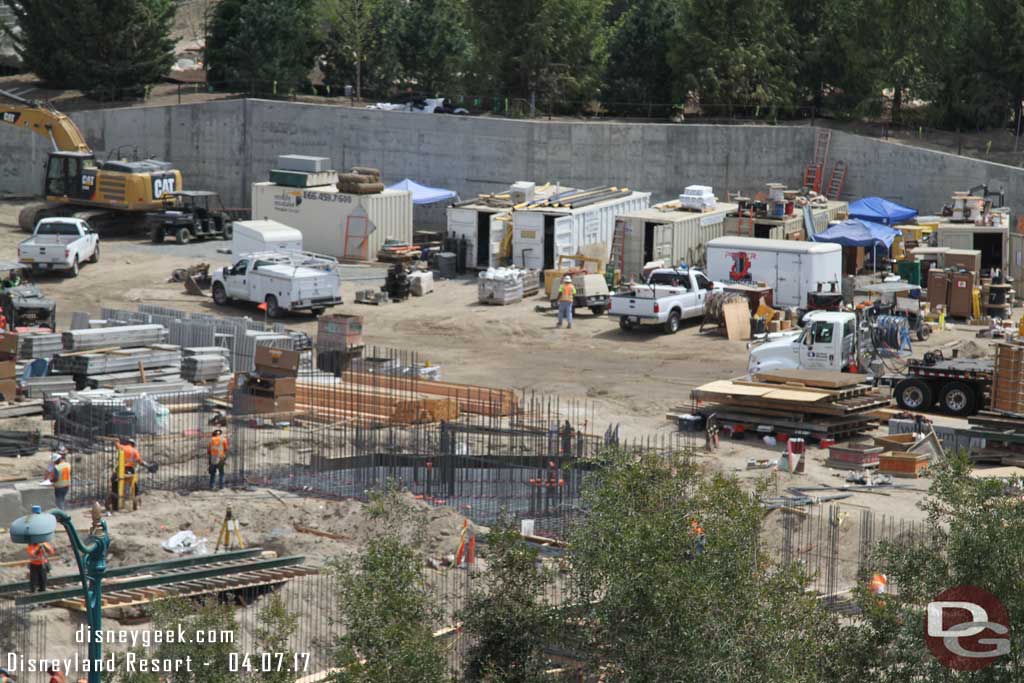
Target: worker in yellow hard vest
{"x":566,"y":297}
{"x":217,"y":451}
{"x":60,"y":475}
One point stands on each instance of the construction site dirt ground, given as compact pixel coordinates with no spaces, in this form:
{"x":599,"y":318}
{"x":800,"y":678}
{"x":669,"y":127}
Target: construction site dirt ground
{"x":631,"y":379}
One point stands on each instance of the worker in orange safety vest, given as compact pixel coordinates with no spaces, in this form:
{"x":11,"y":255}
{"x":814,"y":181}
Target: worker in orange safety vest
{"x":217,"y":451}
{"x":60,"y":475}
{"x":125,"y":487}
{"x":700,"y":539}
{"x":39,"y":565}
{"x":566,"y":297}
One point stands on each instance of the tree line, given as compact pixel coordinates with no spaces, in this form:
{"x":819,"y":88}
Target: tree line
{"x":662,"y":580}
{"x":950,"y":63}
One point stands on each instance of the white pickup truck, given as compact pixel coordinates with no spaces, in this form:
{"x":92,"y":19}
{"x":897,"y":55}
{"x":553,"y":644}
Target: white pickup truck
{"x":669,"y":296}
{"x":284,"y":281}
{"x":60,"y":244}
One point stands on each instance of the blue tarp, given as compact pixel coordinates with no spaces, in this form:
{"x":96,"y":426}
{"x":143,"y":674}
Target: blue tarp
{"x":881,"y":211}
{"x":858,"y":233}
{"x":421,"y":194}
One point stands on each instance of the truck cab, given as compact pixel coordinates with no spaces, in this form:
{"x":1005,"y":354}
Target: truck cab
{"x":827,"y":341}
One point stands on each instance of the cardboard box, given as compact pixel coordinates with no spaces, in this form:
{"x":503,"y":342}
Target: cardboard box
{"x":276,"y":362}
{"x":338,"y":330}
{"x":9,"y":389}
{"x":966,"y":259}
{"x":8,"y":345}
{"x":247,"y":404}
{"x":8,"y":369}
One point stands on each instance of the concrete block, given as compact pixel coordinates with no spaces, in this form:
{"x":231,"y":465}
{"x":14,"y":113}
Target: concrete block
{"x":10,"y":507}
{"x":33,"y":494}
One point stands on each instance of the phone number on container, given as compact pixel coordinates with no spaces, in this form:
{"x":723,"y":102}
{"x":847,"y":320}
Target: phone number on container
{"x":265,"y":662}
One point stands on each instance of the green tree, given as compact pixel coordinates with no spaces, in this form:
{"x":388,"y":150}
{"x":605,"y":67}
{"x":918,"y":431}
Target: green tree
{"x":505,"y":617}
{"x":111,"y":49}
{"x":274,"y":628}
{"x":638,"y":69}
{"x":385,"y":611}
{"x":659,"y":609}
{"x":363,"y":43}
{"x":974,"y":535}
{"x":208,"y":617}
{"x":435,"y":44}
{"x":735,"y":55}
{"x":265,"y":46}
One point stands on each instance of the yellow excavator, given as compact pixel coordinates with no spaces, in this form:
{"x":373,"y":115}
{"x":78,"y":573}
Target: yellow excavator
{"x":106,"y":193}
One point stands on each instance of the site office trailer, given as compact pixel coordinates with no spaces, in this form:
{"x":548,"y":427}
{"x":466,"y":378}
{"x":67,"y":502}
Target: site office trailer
{"x":791,"y":268}
{"x":670,"y":235}
{"x":541,"y":234}
{"x":484,"y":228}
{"x":346,"y":226}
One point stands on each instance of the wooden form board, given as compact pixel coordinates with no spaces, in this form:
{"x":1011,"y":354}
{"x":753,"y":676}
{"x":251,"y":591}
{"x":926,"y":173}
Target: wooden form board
{"x":736,"y":315}
{"x":822,"y":379}
{"x":349,"y":400}
{"x":471,"y":399}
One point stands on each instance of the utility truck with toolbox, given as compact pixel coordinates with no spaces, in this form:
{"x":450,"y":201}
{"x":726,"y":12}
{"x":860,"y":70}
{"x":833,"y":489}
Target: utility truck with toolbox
{"x":284,"y":281}
{"x":60,"y":244}
{"x":670,"y":296}
{"x":840,"y":341}
{"x":791,"y":268}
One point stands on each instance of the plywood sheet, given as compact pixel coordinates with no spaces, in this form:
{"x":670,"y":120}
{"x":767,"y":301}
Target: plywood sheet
{"x":997,"y":472}
{"x":823,"y":379}
{"x":724,"y":386}
{"x":737,"y":320}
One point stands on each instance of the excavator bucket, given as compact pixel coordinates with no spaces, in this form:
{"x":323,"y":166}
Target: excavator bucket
{"x":192,"y":287}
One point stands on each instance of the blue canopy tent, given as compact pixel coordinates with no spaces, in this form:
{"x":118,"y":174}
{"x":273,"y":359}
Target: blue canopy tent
{"x":859,"y":233}
{"x":878,"y":210}
{"x":421,"y":194}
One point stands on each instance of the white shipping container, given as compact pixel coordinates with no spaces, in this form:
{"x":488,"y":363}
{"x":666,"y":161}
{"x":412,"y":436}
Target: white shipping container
{"x":249,"y":237}
{"x":484,"y":228}
{"x":347,"y":226}
{"x":540,"y":235}
{"x":791,"y":268}
{"x":671,"y":236}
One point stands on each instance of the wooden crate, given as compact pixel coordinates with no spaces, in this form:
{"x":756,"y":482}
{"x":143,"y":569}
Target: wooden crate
{"x":899,"y":464}
{"x":1008,"y":379}
{"x":854,"y":456}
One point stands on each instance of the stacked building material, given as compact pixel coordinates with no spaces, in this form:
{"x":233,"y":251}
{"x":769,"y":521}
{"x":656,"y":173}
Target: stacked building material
{"x":270,"y":388}
{"x":294,"y":170}
{"x":119,"y":360}
{"x":8,"y":367}
{"x":39,"y":345}
{"x":113,"y":337}
{"x":470,"y":398}
{"x":39,"y":387}
{"x":203,"y":367}
{"x":823,"y":405}
{"x":501,"y":286}
{"x":323,"y":398}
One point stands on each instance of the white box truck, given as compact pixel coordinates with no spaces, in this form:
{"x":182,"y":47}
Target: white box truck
{"x":252,"y":237}
{"x":791,"y":268}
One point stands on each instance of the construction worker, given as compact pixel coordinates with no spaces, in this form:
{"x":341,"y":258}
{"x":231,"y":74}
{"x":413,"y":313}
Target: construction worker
{"x":56,"y":676}
{"x":60,"y":475}
{"x":6,"y":676}
{"x":700,"y":539}
{"x":566,"y":297}
{"x":39,"y":565}
{"x":217,"y":451}
{"x":132,"y":459}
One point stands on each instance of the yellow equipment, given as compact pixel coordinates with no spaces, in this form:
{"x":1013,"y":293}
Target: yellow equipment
{"x":230,"y":536}
{"x":76,"y":184}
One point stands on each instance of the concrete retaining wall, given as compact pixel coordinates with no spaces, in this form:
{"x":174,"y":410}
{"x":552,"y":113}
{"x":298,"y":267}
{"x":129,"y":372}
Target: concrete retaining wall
{"x":226,"y":145}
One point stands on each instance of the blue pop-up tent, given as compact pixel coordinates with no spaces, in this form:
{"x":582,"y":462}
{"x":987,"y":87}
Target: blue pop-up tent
{"x":858,"y":233}
{"x":878,"y":210}
{"x":421,"y":194}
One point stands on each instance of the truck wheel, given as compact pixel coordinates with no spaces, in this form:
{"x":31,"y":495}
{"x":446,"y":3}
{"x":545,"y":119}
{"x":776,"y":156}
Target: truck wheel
{"x":913,"y":394}
{"x":317,"y":311}
{"x":672,"y":324}
{"x":74,"y":268}
{"x":220,"y":295}
{"x":958,"y":398}
{"x":273,"y":310}
{"x":598,"y":310}
{"x":157,"y":235}
{"x":626,"y":324}
{"x":923,"y":332}
{"x":184,"y":236}
{"x":95,"y":254}
{"x":229,"y":230}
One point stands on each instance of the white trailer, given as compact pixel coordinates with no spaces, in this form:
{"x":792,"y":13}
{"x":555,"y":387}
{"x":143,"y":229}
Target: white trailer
{"x":791,"y":268}
{"x":541,"y":234}
{"x":262,"y":236}
{"x":349,"y":226}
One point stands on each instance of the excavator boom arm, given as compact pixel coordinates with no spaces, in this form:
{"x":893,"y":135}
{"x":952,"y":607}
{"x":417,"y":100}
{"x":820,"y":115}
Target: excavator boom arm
{"x":44,"y":120}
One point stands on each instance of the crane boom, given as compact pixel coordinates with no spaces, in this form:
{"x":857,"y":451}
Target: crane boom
{"x":41,"y":118}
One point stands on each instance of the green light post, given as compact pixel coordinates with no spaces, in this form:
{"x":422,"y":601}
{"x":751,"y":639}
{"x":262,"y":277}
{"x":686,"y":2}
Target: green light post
{"x":91,"y":556}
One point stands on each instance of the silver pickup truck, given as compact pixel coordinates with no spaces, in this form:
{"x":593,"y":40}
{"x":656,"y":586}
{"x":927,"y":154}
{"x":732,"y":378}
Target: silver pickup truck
{"x":669,"y":296}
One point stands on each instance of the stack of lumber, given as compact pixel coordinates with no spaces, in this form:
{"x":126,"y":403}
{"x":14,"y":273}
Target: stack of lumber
{"x":38,"y":387}
{"x":1003,"y":435}
{"x":108,"y":337}
{"x":116,"y":360}
{"x":470,"y":398}
{"x":39,"y":345}
{"x":1008,"y":379}
{"x":812,"y":403}
{"x":371,"y":405}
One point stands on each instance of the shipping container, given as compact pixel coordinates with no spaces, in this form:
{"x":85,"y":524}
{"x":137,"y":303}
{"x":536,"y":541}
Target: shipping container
{"x":991,"y":240}
{"x":1017,"y":263}
{"x":791,"y":227}
{"x":346,"y":226}
{"x":484,"y":228}
{"x":666,"y":233}
{"x":541,"y":234}
{"x":791,"y":268}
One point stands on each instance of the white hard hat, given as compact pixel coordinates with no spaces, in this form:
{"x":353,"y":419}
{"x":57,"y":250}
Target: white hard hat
{"x":567,"y":278}
{"x":56,"y":456}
